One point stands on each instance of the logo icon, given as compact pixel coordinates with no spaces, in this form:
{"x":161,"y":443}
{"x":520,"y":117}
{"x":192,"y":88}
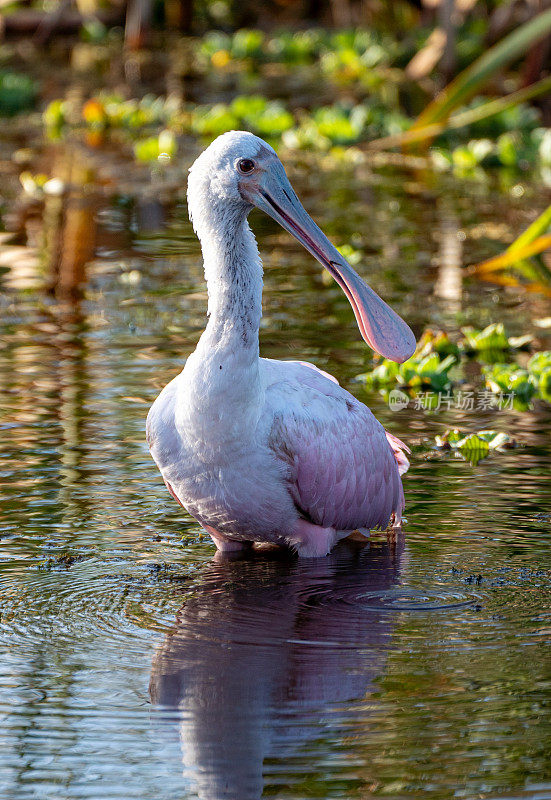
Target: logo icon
{"x":397,"y":400}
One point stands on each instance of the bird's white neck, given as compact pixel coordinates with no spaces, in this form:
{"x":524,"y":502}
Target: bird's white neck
{"x":233,"y":270}
{"x":222,"y":400}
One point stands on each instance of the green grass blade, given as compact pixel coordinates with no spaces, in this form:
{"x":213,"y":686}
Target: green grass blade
{"x":468,"y":82}
{"x":464,"y":118}
{"x":512,"y":255}
{"x":535,"y":230}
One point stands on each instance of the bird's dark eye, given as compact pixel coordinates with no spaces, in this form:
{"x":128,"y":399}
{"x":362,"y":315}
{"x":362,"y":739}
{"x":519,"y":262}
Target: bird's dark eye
{"x":245,"y":165}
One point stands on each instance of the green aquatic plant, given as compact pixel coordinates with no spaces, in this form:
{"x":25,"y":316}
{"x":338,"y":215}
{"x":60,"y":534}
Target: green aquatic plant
{"x":428,"y":370}
{"x":346,"y":65}
{"x":539,"y":363}
{"x":542,"y":136}
{"x":441,"y":114}
{"x":113,"y":111}
{"x":477,"y":74}
{"x":17,"y":93}
{"x":211,"y":121}
{"x":300,"y":47}
{"x":466,"y":159}
{"x":336,"y":125}
{"x":267,"y":119}
{"x":33,"y":184}
{"x":474,"y":446}
{"x":539,"y":367}
{"x":306,"y":136}
{"x":368,"y":112}
{"x":156,"y":148}
{"x":253,"y":112}
{"x":341,"y":125}
{"x":219,"y":48}
{"x":248,"y":43}
{"x":423,"y":372}
{"x":437,"y":342}
{"x":343,"y":55}
{"x":352,"y":254}
{"x":54,"y":118}
{"x":511,"y":149}
{"x":492,"y":338}
{"x":483,"y":117}
{"x":510,"y":379}
{"x":524,"y":254}
{"x":330,"y":126}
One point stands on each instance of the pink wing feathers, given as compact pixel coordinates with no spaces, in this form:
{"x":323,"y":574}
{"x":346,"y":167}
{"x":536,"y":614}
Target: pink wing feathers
{"x":345,"y":469}
{"x":398,"y":448}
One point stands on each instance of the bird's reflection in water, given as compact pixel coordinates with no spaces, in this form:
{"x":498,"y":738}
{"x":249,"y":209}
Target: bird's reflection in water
{"x":267,"y":653}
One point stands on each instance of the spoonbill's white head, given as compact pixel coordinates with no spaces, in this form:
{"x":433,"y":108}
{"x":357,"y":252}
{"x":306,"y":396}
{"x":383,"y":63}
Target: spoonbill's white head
{"x":239,"y":171}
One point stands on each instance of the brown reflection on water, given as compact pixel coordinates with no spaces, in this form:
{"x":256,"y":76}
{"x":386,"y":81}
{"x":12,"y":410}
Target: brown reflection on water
{"x":70,"y":224}
{"x":449,"y":283}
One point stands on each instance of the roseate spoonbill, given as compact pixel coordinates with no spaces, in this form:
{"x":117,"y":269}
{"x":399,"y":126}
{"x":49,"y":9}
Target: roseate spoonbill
{"x":259,"y":450}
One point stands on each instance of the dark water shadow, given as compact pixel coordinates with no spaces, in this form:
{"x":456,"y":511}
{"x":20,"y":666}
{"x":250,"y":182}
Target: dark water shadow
{"x":269,"y":652}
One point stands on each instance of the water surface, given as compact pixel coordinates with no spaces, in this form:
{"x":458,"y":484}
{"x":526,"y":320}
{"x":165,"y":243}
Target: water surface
{"x":134,"y":663}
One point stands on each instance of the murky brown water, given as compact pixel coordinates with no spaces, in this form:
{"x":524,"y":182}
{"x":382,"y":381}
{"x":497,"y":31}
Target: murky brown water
{"x":136,"y":666}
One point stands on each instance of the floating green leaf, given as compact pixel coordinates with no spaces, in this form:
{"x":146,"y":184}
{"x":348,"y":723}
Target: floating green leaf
{"x":510,"y":379}
{"x":428,"y":372}
{"x":474,"y":446}
{"x":492,"y":338}
{"x":449,"y":438}
{"x":436,"y":342}
{"x":539,"y":363}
